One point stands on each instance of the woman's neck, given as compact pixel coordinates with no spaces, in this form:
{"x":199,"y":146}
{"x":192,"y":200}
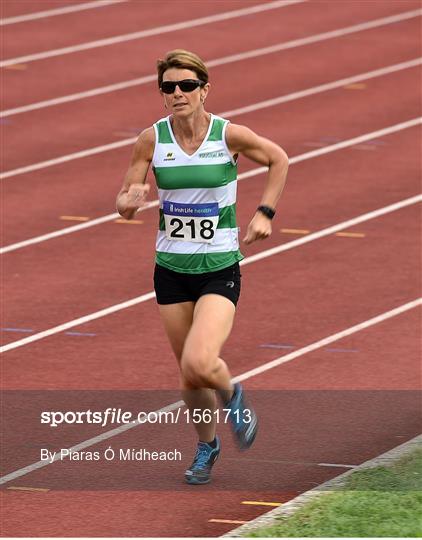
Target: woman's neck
{"x":192,"y":127}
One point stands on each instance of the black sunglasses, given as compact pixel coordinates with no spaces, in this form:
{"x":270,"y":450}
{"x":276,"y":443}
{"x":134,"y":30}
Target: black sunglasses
{"x":187,"y":85}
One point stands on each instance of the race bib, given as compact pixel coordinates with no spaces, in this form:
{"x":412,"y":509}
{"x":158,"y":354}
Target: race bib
{"x":190,"y":222}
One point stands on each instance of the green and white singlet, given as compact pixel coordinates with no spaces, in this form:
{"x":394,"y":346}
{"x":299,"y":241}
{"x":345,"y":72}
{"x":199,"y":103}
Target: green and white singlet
{"x":197,"y":193}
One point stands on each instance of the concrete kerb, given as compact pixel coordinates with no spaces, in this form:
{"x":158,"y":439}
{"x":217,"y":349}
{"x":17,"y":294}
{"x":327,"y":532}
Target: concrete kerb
{"x":271,"y":518}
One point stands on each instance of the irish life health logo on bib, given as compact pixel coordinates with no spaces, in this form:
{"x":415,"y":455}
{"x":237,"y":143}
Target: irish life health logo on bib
{"x":190,"y":222}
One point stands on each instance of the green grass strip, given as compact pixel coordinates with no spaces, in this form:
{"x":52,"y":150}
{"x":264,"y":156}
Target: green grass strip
{"x":378,"y":502}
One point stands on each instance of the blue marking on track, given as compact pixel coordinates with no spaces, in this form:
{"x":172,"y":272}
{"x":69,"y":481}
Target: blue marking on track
{"x":342,"y":350}
{"x":329,"y":139}
{"x":79,"y":334}
{"x":26,"y":330}
{"x":276,"y":346}
{"x":30,"y":330}
{"x":376,"y":142}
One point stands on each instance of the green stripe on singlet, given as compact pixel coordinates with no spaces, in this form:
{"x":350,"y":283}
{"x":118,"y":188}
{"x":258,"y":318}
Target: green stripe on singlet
{"x":197,"y":263}
{"x":226,"y":218}
{"x":164,"y":133}
{"x":195,"y":176}
{"x":216,"y":133}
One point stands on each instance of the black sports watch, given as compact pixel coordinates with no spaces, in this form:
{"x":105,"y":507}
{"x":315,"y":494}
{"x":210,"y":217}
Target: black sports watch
{"x":267,"y":211}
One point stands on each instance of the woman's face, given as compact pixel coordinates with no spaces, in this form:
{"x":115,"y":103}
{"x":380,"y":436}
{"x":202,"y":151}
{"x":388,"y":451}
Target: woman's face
{"x":183,"y":103}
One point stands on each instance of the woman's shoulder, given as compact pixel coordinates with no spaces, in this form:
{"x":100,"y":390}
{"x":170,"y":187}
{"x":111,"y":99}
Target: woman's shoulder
{"x":238,"y":134}
{"x":147,"y":134}
{"x":145,"y":142}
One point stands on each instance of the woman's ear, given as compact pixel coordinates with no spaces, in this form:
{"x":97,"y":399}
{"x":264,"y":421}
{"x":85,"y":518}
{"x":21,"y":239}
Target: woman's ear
{"x":164,"y":98}
{"x":204,"y":92}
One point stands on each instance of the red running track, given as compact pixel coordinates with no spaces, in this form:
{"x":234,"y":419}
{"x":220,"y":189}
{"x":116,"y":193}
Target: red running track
{"x":297,"y":128}
{"x":341,"y":404}
{"x":53,"y":77}
{"x":66,"y":287}
{"x":56,"y":131}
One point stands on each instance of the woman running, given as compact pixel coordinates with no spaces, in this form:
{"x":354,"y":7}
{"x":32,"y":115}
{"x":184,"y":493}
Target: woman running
{"x":197,"y":279}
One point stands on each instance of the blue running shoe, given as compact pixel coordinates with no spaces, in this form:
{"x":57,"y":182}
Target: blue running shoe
{"x":243,"y":418}
{"x":205,"y":457}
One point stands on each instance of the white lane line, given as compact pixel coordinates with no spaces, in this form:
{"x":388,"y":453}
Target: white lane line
{"x":331,"y":339}
{"x":287,"y":462}
{"x":152,"y":31}
{"x":70,"y":230}
{"x":84,"y":444}
{"x":341,"y":465}
{"x":61,"y":232}
{"x":356,"y":140}
{"x":331,"y":34}
{"x":289,"y":508}
{"x":243,"y":176}
{"x":252,"y":373}
{"x":333,"y":229}
{"x":58,"y":11}
{"x":259,"y":256}
{"x":82,"y":320}
{"x":216,"y":62}
{"x":79,"y":95}
{"x":229,"y":114}
{"x":69,"y":157}
{"x":324,"y":87}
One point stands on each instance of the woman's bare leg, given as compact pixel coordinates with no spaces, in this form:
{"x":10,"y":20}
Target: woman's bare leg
{"x":178,"y":319}
{"x":200,"y":363}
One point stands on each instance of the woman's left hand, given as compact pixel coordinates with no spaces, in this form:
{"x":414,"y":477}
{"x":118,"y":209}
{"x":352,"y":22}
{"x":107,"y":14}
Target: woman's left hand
{"x":258,"y":229}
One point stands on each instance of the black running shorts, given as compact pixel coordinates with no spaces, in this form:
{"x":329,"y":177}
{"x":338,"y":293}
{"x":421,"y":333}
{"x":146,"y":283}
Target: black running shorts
{"x":174,"y":287}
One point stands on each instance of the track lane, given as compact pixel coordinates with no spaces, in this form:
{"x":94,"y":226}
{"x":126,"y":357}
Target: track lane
{"x":148,"y":47}
{"x":115,"y":334}
{"x":315,"y":38}
{"x":71,"y":288}
{"x":299,"y":454}
{"x":81,"y":508}
{"x":24,"y":7}
{"x":89,"y":513}
{"x":30,"y":17}
{"x":384,"y":357}
{"x":57,"y":131}
{"x":299,"y":449}
{"x":72,"y":29}
{"x":71,"y":185}
{"x":343,"y":448}
{"x":45,"y":78}
{"x":297,"y":476}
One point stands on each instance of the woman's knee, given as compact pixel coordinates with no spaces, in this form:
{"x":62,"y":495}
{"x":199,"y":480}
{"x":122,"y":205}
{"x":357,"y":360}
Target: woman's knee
{"x":198,"y":365}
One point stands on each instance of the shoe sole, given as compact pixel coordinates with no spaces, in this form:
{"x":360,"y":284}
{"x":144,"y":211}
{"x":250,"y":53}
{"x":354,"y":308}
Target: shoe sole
{"x":195,"y":481}
{"x":242,"y":443}
{"x":240,"y":436}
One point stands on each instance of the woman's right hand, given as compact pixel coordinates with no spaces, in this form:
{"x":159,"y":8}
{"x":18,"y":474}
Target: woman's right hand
{"x":134,"y":190}
{"x":136,"y":196}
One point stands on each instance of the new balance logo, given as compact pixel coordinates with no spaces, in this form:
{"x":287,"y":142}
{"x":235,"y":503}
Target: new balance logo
{"x":169,"y":157}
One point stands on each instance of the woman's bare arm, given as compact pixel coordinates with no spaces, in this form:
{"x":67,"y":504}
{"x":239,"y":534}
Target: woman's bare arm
{"x":134,"y":190}
{"x":241,"y":139}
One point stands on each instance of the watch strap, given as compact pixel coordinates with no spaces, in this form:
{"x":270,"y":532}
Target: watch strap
{"x":267,"y":211}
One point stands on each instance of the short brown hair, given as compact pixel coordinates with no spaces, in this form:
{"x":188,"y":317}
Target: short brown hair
{"x":181,"y":59}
